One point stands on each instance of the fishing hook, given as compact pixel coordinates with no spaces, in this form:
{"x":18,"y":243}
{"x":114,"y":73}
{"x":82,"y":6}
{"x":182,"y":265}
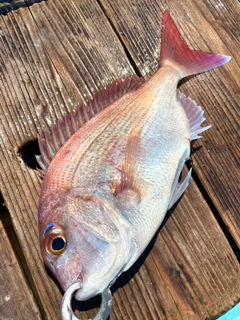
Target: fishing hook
{"x":66,"y":310}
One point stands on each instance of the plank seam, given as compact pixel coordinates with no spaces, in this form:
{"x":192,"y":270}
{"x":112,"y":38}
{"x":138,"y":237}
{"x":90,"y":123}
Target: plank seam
{"x":216,"y":214}
{"x":127,"y":52}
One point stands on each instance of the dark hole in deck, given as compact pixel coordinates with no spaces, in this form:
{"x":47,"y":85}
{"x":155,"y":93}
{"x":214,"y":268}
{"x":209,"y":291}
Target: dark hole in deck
{"x":7,"y":6}
{"x":28,"y":152}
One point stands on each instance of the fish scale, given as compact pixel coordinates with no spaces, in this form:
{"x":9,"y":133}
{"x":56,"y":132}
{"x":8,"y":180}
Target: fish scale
{"x":107,"y":188}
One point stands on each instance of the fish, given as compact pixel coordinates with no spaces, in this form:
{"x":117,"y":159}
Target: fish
{"x":111,"y":172}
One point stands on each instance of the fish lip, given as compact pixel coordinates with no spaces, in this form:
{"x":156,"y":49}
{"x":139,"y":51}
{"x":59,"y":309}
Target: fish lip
{"x":76,"y":285}
{"x":69,"y":283}
{"x":78,"y":280}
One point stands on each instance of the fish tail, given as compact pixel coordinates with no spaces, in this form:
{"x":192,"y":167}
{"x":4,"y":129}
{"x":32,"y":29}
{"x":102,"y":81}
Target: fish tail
{"x":174,"y":51}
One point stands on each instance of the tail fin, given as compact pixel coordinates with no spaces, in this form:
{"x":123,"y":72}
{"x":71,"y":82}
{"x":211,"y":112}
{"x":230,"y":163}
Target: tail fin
{"x":175,"y":51}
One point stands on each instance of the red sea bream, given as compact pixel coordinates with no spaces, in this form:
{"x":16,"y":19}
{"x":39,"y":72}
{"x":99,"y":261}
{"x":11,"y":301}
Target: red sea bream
{"x":113,"y":178}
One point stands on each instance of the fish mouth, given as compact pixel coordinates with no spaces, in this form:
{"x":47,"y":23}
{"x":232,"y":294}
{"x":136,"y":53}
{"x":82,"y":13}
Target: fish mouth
{"x":66,"y":309}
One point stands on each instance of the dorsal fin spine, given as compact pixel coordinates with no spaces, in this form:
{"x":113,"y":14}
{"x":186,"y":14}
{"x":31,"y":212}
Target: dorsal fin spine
{"x":80,"y":116}
{"x":74,"y":124}
{"x":49,"y":149}
{"x":55,"y":137}
{"x":68,"y":129}
{"x":43,"y":167}
{"x":41,"y":143}
{"x":60,"y":132}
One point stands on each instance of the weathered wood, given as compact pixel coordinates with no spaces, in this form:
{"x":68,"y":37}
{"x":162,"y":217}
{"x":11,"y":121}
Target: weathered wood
{"x":53,"y":57}
{"x":208,"y":26}
{"x":16,"y":299}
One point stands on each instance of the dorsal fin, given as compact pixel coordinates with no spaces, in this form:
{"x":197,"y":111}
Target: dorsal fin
{"x":58,"y":134}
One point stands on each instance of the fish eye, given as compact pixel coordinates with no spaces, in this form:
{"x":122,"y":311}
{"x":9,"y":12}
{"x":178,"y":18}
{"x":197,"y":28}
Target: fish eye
{"x":55,"y":241}
{"x":58,"y":244}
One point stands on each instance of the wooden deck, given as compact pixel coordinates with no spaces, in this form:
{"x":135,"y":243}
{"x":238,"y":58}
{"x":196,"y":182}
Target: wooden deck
{"x":56,"y":54}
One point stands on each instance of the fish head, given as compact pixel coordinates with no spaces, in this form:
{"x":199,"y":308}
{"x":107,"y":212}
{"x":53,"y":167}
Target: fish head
{"x":82,"y":240}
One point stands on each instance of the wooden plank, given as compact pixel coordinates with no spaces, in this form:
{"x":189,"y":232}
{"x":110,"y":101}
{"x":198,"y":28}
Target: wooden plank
{"x":209,"y":26}
{"x":54,"y":57}
{"x":16,"y":299}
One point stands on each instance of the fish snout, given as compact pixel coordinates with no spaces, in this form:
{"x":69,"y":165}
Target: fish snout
{"x":70,"y":279}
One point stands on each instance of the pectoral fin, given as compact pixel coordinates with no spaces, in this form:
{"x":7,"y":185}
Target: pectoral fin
{"x":130,"y":176}
{"x":178,"y":190}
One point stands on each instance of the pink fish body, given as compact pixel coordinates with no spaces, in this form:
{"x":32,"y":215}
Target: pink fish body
{"x":107,"y":190}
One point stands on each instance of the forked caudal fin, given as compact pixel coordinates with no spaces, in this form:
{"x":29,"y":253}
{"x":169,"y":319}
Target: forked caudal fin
{"x":174,"y":51}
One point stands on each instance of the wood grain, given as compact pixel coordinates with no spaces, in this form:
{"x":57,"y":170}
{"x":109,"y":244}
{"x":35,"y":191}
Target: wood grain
{"x":56,"y":55}
{"x":16,"y":299}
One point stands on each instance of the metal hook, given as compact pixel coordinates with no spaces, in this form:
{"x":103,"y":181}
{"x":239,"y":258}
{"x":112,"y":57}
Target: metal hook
{"x":66,"y":310}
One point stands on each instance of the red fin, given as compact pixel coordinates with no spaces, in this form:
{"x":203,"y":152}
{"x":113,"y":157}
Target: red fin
{"x":60,"y":133}
{"x":175,"y":51}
